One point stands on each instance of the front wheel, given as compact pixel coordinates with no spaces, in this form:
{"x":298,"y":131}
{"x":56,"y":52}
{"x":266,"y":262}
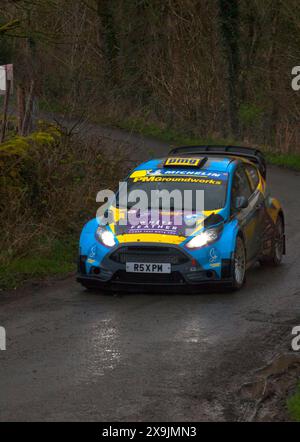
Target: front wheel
{"x":239,"y":265}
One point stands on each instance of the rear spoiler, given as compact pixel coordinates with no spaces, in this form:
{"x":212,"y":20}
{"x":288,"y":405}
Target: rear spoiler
{"x":252,"y":154}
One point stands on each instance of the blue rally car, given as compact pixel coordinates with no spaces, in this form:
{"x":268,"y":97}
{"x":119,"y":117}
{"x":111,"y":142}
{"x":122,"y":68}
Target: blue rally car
{"x":239,"y":225}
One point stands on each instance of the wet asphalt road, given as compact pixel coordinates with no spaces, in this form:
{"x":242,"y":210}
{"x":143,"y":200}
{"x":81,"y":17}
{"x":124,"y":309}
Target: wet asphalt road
{"x":72,"y":355}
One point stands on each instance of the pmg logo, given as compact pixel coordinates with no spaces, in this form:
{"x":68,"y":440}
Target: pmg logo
{"x":2,"y":338}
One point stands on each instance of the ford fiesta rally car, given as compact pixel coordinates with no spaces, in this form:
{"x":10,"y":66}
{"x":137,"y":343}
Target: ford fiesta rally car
{"x":239,"y":225}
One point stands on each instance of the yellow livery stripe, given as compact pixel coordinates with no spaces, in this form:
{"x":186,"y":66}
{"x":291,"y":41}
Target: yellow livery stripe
{"x":138,"y":174}
{"x":150,"y":237}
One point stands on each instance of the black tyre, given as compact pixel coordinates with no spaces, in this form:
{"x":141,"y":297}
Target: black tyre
{"x":278,"y":246}
{"x":239,"y":265}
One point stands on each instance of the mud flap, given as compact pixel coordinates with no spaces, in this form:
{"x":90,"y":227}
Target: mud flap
{"x":226,"y":271}
{"x":284,"y":245}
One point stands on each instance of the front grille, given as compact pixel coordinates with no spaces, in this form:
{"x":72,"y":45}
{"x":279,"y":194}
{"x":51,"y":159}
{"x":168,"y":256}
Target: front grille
{"x":149,"y":254}
{"x":147,"y":278}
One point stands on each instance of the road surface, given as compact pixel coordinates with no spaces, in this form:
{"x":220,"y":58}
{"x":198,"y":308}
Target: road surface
{"x":72,"y":355}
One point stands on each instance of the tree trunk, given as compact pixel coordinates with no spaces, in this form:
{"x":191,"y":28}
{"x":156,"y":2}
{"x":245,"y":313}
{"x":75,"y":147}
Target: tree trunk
{"x":20,"y":107}
{"x":107,"y":29}
{"x":5,"y":110}
{"x":29,"y":105}
{"x":273,"y":118}
{"x":229,"y":16}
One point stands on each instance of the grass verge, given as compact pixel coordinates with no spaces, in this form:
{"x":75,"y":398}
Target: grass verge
{"x":162,"y":133}
{"x":291,"y":161}
{"x":293,"y":404}
{"x":177,"y":137}
{"x":57,"y":259}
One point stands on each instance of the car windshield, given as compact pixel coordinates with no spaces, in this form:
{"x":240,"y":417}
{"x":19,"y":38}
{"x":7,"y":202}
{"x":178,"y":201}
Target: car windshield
{"x":214,"y":186}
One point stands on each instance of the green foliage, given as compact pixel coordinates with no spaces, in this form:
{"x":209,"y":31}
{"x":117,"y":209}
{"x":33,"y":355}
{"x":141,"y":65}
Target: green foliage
{"x":250,"y":114}
{"x":293,"y":404}
{"x":41,"y":138}
{"x":9,"y":26}
{"x":48,"y":187}
{"x":57,"y":259}
{"x":17,"y":146}
{"x":20,"y":146}
{"x":291,"y":161}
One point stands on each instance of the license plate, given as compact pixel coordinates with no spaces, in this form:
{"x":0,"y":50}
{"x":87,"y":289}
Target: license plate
{"x":137,"y":267}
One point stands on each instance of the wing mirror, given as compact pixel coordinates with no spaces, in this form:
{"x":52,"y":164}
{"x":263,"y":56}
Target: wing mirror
{"x":241,"y":202}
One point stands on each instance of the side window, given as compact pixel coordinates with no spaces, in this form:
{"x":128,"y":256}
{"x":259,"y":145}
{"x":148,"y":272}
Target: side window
{"x":253,"y":174}
{"x":240,"y":186}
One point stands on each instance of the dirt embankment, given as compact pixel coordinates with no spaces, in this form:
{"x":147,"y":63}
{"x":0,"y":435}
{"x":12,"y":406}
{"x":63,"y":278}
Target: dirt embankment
{"x":265,"y":398}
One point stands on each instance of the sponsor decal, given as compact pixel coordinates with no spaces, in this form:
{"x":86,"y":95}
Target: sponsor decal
{"x":164,"y":224}
{"x":163,"y":230}
{"x":217,"y":264}
{"x":186,"y":172}
{"x":93,"y":252}
{"x":155,"y":226}
{"x":189,"y":162}
{"x":161,"y":179}
{"x":212,"y":256}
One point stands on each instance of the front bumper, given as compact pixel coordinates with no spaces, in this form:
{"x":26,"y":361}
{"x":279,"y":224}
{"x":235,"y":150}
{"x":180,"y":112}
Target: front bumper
{"x":186,"y":275}
{"x":111,"y":286}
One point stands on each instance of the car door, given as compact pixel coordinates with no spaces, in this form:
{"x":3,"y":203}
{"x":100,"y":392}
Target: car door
{"x":257,"y":199}
{"x":247,"y":217}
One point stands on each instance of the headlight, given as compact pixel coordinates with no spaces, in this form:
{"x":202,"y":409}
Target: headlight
{"x":203,"y":239}
{"x":106,"y":237}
